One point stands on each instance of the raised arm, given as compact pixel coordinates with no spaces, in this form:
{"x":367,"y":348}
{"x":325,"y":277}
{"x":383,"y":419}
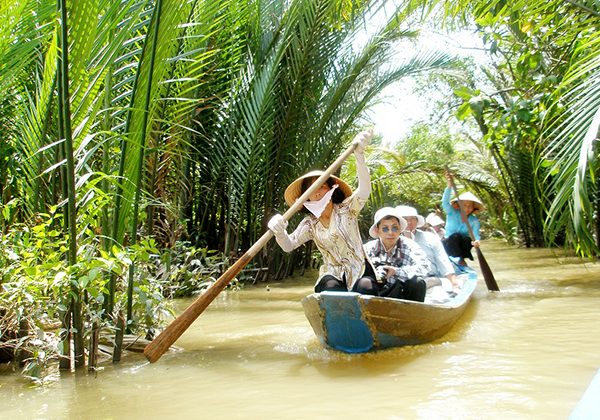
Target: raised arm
{"x":362,"y":171}
{"x":446,"y":200}
{"x":446,"y":197}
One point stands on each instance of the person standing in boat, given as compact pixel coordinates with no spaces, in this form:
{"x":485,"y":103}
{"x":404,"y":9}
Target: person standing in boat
{"x":333,"y":226}
{"x":457,"y":241}
{"x":399,"y":261}
{"x":430,"y":243}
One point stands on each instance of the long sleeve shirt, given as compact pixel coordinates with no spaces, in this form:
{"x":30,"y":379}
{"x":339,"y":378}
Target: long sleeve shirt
{"x":454,"y":222}
{"x":434,"y":249}
{"x":406,"y":257}
{"x":340,"y":243}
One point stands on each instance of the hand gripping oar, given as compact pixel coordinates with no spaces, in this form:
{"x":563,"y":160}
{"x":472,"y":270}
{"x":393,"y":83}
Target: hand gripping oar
{"x":488,"y":276}
{"x":173,"y":331}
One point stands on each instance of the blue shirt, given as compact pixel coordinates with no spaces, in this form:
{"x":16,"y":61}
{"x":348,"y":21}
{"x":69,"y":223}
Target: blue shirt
{"x":454,"y":223}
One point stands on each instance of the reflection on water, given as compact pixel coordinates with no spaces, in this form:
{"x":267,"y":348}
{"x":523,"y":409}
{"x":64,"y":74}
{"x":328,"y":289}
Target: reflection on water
{"x":526,"y":352}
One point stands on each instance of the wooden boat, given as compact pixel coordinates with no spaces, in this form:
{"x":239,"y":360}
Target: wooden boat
{"x":355,"y":323}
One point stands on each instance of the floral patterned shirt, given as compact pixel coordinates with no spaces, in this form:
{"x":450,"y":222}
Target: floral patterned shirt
{"x":339,"y":243}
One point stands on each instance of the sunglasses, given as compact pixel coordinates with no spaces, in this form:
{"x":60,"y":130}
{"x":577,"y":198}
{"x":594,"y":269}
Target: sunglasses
{"x":386,"y":229}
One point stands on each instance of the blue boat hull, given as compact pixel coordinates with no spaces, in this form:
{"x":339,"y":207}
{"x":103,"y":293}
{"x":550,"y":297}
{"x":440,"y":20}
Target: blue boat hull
{"x":355,"y":323}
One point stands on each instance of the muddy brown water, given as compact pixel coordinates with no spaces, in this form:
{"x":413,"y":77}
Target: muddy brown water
{"x":527,"y":352}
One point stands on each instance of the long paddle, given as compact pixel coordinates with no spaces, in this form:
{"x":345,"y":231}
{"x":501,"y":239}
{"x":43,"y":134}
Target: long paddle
{"x":488,"y":276}
{"x":173,"y":331}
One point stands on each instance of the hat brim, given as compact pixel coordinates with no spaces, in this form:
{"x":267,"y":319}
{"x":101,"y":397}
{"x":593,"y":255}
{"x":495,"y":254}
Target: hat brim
{"x":294,"y":190}
{"x":420,"y":221}
{"x":408,"y":211}
{"x":373,"y":228}
{"x":477,"y":205}
{"x":434,"y":220}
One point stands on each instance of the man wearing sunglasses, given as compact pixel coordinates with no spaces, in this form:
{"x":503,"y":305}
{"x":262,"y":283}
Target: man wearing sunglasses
{"x":398,"y":261}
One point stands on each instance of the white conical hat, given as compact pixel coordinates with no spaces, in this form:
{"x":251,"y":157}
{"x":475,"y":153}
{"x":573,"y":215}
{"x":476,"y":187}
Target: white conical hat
{"x":467,"y":196}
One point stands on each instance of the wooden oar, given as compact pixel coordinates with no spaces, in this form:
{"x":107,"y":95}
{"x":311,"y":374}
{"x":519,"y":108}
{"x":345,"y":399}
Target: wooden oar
{"x":488,"y":276}
{"x":173,"y":331}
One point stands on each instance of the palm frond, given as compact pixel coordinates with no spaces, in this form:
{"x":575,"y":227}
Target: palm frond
{"x":159,"y":45}
{"x":572,"y":149}
{"x":27,"y":26}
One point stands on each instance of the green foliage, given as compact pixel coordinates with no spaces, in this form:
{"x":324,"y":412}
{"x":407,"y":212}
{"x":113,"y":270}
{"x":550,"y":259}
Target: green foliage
{"x":189,"y":119}
{"x":184,"y":114}
{"x":413,"y":174}
{"x":571,"y":152}
{"x":519,"y":107}
{"x":186,"y":270}
{"x":36,"y":285}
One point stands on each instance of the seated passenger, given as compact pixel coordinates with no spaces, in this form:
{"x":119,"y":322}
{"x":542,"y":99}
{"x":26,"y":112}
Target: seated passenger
{"x":399,"y":261}
{"x":435,"y":224}
{"x":430,"y":243}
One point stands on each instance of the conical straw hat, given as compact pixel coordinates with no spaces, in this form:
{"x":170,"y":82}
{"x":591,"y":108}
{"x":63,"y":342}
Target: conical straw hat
{"x":467,"y":196}
{"x":294,"y":190}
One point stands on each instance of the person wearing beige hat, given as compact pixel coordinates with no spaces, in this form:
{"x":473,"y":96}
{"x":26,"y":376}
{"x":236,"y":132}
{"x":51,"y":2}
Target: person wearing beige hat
{"x":457,"y":241}
{"x":399,"y":262}
{"x":429,"y":242}
{"x":332,"y":224}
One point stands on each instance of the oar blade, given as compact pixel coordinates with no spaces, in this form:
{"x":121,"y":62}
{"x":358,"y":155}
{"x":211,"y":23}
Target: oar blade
{"x":488,"y":276}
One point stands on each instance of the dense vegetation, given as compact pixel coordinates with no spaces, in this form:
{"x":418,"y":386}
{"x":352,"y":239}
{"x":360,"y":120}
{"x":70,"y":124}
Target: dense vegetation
{"x":146,"y":142}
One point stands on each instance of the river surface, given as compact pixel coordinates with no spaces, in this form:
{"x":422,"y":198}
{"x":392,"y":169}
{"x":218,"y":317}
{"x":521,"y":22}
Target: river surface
{"x":527,"y":352}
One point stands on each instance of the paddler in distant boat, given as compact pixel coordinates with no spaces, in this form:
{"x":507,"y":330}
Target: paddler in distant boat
{"x":458,"y":242}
